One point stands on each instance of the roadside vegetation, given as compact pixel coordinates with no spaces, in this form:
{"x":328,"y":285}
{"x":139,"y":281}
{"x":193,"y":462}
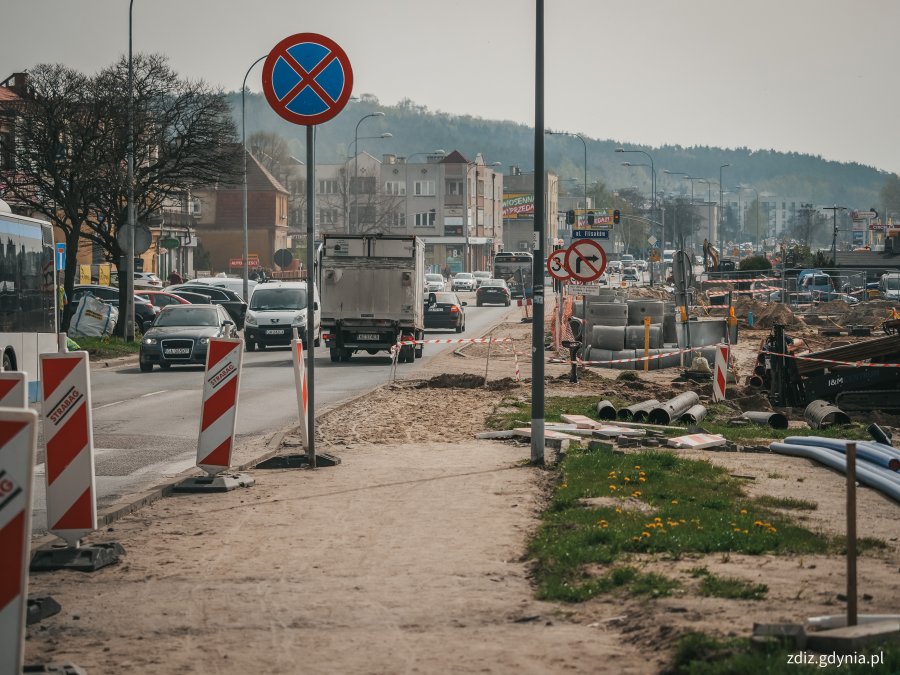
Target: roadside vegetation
{"x":108,"y":347}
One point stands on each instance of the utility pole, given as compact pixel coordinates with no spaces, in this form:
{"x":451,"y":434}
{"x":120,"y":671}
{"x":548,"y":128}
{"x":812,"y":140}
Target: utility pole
{"x":834,"y":210}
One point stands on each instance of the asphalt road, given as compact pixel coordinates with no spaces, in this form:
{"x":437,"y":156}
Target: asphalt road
{"x":146,"y":424}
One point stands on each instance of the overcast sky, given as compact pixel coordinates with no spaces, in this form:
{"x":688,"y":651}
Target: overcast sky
{"x":810,"y":76}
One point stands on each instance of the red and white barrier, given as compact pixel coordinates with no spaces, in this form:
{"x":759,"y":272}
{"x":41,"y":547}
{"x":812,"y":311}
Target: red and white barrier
{"x":13,"y":389}
{"x":220,"y":402}
{"x":720,"y":375}
{"x":18,"y":447}
{"x":69,"y":440}
{"x":301,"y":387}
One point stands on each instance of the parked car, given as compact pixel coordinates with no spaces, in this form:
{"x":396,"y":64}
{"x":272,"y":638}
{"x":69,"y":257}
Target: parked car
{"x":230,"y":300}
{"x":630,"y":274}
{"x":640,"y":264}
{"x":463,"y":281}
{"x":181,"y":333}
{"x":614,"y":266}
{"x":492,"y":291}
{"x":481,"y":277}
{"x":144,"y":312}
{"x":147,"y":280}
{"x":444,"y":310}
{"x":276,"y":308}
{"x":233,"y":284}
{"x":161,"y":298}
{"x":434,"y":283}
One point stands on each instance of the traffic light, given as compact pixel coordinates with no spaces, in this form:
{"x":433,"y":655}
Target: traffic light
{"x":570,"y":217}
{"x":617,"y":216}
{"x":590,"y":217}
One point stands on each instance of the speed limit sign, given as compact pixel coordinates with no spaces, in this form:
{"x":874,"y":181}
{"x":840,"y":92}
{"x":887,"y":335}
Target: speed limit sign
{"x":556,"y":265}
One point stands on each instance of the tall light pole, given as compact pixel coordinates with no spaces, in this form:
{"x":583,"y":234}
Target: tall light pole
{"x":719,"y":219}
{"x":758,"y":239}
{"x":244,"y":144}
{"x":128,"y":333}
{"x":584,"y":143}
{"x":709,"y":203}
{"x":356,"y":161}
{"x":653,"y":179}
{"x":350,"y":154}
{"x":834,"y":210}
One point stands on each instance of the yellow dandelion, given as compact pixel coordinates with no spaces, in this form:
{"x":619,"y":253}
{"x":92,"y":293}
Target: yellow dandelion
{"x":642,"y":473}
{"x":636,"y":493}
{"x":637,"y":466}
{"x":645,"y":534}
{"x":674,"y":501}
{"x":737,"y":529}
{"x":658,"y":519}
{"x":618,"y":510}
{"x":613,"y":488}
{"x":635,"y":539}
{"x":743,"y":512}
{"x":642,"y":480}
{"x":627,"y":479}
{"x":772,"y":529}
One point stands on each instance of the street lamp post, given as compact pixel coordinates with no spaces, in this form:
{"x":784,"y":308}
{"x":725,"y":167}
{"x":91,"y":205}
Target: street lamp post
{"x":653,"y":181}
{"x":353,"y":144}
{"x":719,"y":218}
{"x":834,"y":210}
{"x":356,"y":161}
{"x":756,"y":192}
{"x":244,"y":144}
{"x":584,"y":143}
{"x":128,"y":333}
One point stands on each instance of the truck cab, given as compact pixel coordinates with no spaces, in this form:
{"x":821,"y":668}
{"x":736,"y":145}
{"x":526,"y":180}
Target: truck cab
{"x":275,"y":309}
{"x":889,"y":285}
{"x":815,"y":281}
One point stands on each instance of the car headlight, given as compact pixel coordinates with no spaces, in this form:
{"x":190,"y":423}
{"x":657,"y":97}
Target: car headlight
{"x":299,"y":317}
{"x":250,"y":319}
{"x":149,"y":341}
{"x":203,"y":340}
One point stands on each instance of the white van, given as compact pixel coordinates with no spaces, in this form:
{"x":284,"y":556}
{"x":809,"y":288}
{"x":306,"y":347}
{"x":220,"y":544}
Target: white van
{"x":889,"y":285}
{"x":276,"y":308}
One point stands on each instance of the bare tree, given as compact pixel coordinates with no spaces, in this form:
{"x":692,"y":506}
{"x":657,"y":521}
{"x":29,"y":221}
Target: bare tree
{"x":55,"y":147}
{"x":270,"y":149}
{"x":184,"y":138}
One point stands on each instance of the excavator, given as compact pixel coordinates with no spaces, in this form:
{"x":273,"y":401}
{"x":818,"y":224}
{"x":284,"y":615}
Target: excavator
{"x":710,"y":257}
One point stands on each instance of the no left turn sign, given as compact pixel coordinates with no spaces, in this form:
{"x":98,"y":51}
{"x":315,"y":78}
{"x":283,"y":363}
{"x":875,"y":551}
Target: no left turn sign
{"x":585,"y":260}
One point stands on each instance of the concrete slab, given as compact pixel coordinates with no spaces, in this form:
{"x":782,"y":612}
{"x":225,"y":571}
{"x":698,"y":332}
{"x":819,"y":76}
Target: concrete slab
{"x":580,"y":421}
{"x":850,"y":638}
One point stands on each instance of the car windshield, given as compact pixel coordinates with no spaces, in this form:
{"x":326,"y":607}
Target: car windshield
{"x":482,"y":275}
{"x":493,"y":282}
{"x":187,"y":316}
{"x":446,"y":298}
{"x":274,"y":299}
{"x":464,"y":275}
{"x":434,"y":277}
{"x":892,"y":283}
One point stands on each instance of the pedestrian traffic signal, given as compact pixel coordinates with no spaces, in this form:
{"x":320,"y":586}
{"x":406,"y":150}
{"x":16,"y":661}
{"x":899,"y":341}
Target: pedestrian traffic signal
{"x":590,"y":217}
{"x":570,"y":217}
{"x":616,"y":216}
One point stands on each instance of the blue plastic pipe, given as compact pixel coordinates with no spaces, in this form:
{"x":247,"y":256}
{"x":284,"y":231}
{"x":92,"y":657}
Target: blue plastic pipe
{"x":864,"y":449}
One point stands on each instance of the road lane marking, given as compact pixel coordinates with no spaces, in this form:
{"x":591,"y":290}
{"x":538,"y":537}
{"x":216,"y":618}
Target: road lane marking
{"x":154,"y":393}
{"x":107,"y":405}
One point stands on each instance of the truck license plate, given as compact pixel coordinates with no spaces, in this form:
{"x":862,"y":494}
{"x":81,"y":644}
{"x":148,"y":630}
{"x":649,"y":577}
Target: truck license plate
{"x":368,"y":336}
{"x":277,"y":331}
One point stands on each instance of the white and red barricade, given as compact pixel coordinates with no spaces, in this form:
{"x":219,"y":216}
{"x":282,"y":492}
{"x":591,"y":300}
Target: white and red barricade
{"x":220,"y":403}
{"x":13,"y":389}
{"x":69,"y":441}
{"x":18,"y":446}
{"x":301,"y":387}
{"x":720,"y":373}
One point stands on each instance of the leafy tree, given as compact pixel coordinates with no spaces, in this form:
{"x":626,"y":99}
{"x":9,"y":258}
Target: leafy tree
{"x":890,"y":195}
{"x":755,"y":262}
{"x":55,"y":147}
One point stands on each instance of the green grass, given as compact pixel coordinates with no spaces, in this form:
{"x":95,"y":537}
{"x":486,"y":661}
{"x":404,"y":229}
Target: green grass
{"x":699,"y":654}
{"x":731,"y":588}
{"x":696,"y":508}
{"x":108,"y":348}
{"x":788,"y":503}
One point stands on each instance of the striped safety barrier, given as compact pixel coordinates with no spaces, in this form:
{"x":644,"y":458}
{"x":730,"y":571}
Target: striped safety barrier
{"x":69,"y":441}
{"x":220,"y":402}
{"x":720,"y":375}
{"x":13,"y":389}
{"x":18,"y":447}
{"x":300,"y":385}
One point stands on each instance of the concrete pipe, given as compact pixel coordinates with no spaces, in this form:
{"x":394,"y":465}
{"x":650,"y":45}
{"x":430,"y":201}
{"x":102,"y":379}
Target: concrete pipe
{"x":820,"y":414}
{"x":608,"y":337}
{"x":755,"y":381}
{"x":600,"y":355}
{"x":625,"y":354}
{"x":638,"y":411}
{"x":766,"y":419}
{"x":638,"y":309}
{"x":606,"y":410}
{"x":759,"y":369}
{"x":694,"y":414}
{"x":608,"y":313}
{"x":674,"y":408}
{"x":634,"y":337}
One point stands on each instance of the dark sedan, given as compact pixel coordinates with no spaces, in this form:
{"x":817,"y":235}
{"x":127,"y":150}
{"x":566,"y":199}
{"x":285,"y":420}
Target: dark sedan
{"x":217,"y":295}
{"x":444,"y":310}
{"x":181,"y":333}
{"x":492,"y":291}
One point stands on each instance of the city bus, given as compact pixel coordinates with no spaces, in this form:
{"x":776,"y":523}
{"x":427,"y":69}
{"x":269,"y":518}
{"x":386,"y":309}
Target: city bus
{"x":516,"y":269}
{"x":28,"y":318}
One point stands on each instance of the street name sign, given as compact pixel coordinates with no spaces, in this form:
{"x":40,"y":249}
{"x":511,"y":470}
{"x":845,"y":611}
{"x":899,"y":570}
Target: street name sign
{"x":590,"y":234}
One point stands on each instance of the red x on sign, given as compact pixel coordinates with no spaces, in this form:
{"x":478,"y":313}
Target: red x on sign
{"x":307,"y":78}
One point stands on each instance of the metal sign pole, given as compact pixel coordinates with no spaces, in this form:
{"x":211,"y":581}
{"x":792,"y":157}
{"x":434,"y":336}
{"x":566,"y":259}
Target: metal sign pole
{"x":537,"y":325}
{"x":310,"y":291}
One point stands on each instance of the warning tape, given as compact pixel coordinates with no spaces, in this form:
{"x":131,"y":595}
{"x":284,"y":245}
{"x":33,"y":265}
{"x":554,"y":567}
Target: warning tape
{"x":451,"y":341}
{"x":855,"y":364}
{"x":632,"y":360}
{"x":737,"y":281}
{"x":765,"y":289}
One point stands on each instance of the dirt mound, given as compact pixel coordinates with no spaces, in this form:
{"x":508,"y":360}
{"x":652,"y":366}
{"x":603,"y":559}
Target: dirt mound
{"x":777,"y":313}
{"x":744,"y":305}
{"x":656,"y":293}
{"x":870,"y":313}
{"x":502,"y":384}
{"x":455,"y":381}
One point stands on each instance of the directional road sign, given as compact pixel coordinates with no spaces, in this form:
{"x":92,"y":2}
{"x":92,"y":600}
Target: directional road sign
{"x":60,"y":256}
{"x":307,"y":78}
{"x":556,"y":265}
{"x":590,"y":234}
{"x":585,"y":260}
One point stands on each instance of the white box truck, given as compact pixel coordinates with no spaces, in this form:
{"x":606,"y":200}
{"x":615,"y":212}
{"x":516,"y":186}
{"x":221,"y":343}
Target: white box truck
{"x":372,"y":294}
